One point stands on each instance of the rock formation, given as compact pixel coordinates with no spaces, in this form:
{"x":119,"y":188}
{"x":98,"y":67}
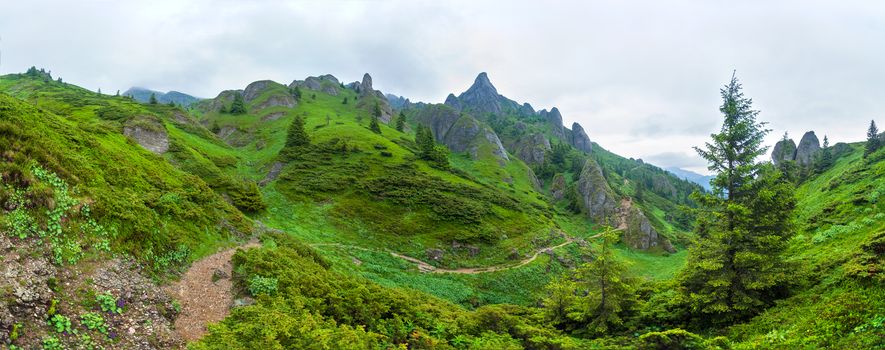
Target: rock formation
{"x":554,"y":118}
{"x":255,"y":89}
{"x":558,"y":187}
{"x":461,"y":132}
{"x":807,"y":149}
{"x":149,"y":133}
{"x":532,"y":149}
{"x":784,"y":150}
{"x":638,"y":231}
{"x":325,"y":83}
{"x":369,"y":96}
{"x":580,"y":139}
{"x":482,"y":96}
{"x":597,"y":198}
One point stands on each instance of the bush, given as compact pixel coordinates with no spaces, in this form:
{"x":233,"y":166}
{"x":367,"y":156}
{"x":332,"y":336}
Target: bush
{"x":259,"y":285}
{"x":672,"y":339}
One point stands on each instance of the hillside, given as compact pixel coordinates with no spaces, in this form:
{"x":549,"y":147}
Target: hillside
{"x":367,"y":239}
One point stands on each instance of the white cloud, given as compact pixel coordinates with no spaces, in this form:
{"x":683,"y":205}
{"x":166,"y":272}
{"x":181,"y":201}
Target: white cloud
{"x":641,"y":76}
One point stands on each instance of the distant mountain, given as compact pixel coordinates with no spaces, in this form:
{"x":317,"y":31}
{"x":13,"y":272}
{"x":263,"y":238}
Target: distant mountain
{"x":703,"y":180}
{"x":144,"y":95}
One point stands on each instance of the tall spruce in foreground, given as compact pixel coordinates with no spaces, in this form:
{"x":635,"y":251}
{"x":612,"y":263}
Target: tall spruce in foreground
{"x":873,"y":142}
{"x":296,"y":136}
{"x":736,"y":268}
{"x":239,"y":105}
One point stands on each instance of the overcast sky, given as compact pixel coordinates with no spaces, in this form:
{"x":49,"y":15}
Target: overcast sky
{"x":642,"y":77}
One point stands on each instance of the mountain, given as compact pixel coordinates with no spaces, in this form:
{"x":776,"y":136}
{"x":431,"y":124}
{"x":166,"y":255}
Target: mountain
{"x":703,"y":180}
{"x":298,"y":224}
{"x":144,"y":95}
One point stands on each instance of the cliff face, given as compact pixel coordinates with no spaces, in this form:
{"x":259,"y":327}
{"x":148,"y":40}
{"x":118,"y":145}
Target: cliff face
{"x":461,"y":132}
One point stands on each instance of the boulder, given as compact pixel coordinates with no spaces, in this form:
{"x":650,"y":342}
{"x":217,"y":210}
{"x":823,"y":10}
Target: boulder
{"x":639,"y":233}
{"x":434,"y":254}
{"x":807,"y":149}
{"x":597,"y":198}
{"x":149,"y":133}
{"x":784,"y":150}
{"x":580,"y":139}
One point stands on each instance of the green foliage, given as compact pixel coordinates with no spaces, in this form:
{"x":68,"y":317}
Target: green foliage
{"x":374,"y":125}
{"x":108,"y":303}
{"x":238,"y":106}
{"x":596,"y":297}
{"x":736,"y":268}
{"x":676,"y":339}
{"x":316,"y":308}
{"x":94,"y":322}
{"x":247,"y":197}
{"x":259,"y":285}
{"x":297,"y":137}
{"x":153,"y":99}
{"x":60,"y":323}
{"x":873,"y":140}
{"x":429,"y":150}
{"x":52,"y":343}
{"x":401,"y":122}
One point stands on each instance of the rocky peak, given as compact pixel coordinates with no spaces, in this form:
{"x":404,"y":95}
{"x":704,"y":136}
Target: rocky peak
{"x":784,"y":150}
{"x":254,"y":89}
{"x":808,"y":147}
{"x":481,"y":96}
{"x":579,"y":138}
{"x":461,"y":132}
{"x":453,"y":102}
{"x":366,"y":85}
{"x":598,"y":200}
{"x":527,"y":109}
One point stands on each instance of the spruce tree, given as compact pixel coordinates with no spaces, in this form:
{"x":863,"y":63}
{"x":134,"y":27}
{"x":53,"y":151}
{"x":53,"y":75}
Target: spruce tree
{"x":401,"y":122}
{"x":376,"y":110}
{"x":374,"y":125}
{"x":153,"y":99}
{"x":824,"y":157}
{"x":736,"y":268}
{"x":296,"y":136}
{"x":596,"y":296}
{"x":873,"y":141}
{"x":239,"y":105}
{"x":344,"y":101}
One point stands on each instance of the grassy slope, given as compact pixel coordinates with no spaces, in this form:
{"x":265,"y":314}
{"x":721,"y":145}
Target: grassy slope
{"x":153,"y":207}
{"x":837,"y":212}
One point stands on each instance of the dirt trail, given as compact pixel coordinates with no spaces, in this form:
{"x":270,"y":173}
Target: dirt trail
{"x":202,"y":300}
{"x":425,"y":267}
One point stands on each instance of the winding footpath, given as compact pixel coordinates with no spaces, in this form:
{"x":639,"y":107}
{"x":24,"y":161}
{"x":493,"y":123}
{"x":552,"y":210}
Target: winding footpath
{"x":423,"y":266}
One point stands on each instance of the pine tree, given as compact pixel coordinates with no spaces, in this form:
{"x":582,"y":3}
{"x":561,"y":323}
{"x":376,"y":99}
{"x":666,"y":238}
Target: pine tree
{"x":344,"y":101}
{"x":824,"y":157}
{"x":873,"y":141}
{"x":99,"y":91}
{"x":596,"y":296}
{"x":118,"y":91}
{"x":153,"y":99}
{"x":424,"y":139}
{"x":374,"y":125}
{"x":239,"y":105}
{"x":296,"y":135}
{"x":736,"y":268}
{"x":376,"y":110}
{"x":171,"y":103}
{"x":401,"y":122}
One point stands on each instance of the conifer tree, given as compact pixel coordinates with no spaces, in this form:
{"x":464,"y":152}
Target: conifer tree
{"x":596,"y":296}
{"x":736,"y":269}
{"x":153,"y":99}
{"x":344,"y":101}
{"x":239,"y":105}
{"x":824,"y":157}
{"x":297,"y":136}
{"x":873,"y":141}
{"x":401,"y":122}
{"x":374,"y":125}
